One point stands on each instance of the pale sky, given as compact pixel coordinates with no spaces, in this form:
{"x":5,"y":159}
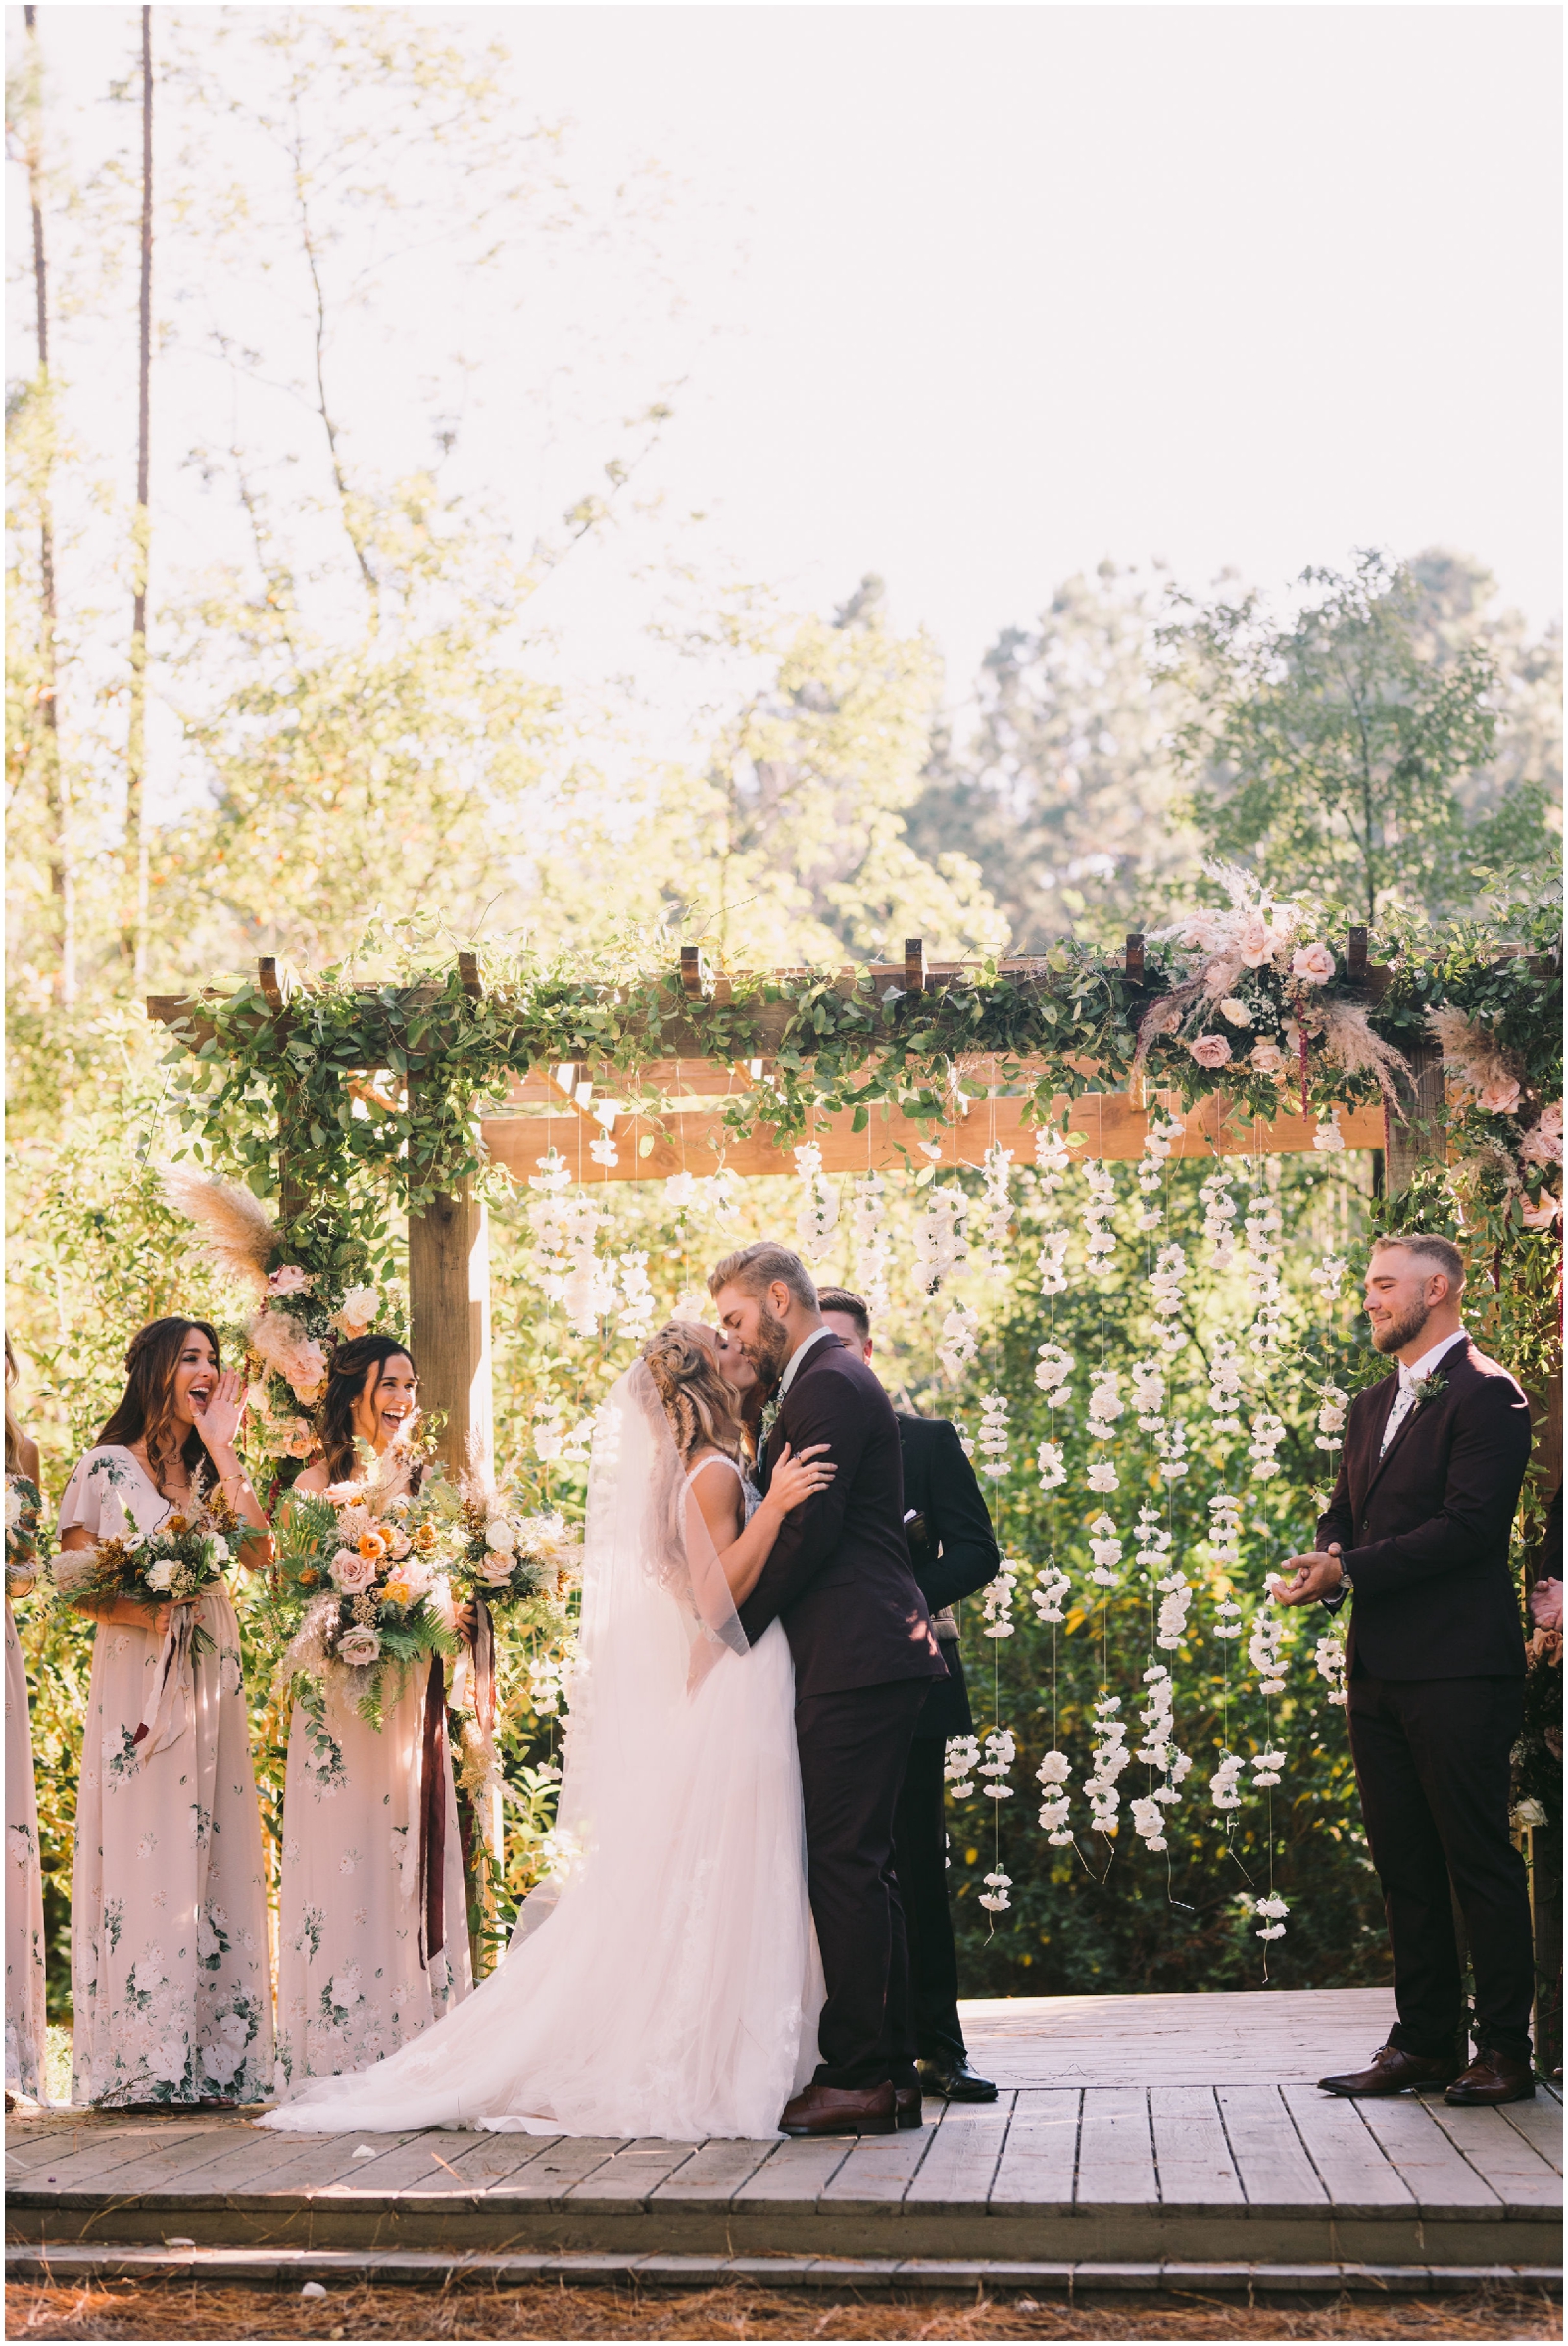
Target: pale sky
{"x":976,"y":296}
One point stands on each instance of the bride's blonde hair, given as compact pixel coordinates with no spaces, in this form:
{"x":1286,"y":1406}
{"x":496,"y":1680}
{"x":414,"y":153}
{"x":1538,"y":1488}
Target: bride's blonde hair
{"x":701,"y":1406}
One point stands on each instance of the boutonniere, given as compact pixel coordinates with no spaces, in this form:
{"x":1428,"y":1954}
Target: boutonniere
{"x":1427,"y":1388}
{"x":770,"y":1410}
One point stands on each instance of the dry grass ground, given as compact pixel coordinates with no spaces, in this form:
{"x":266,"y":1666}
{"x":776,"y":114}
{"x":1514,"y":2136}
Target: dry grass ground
{"x":183,"y":2313}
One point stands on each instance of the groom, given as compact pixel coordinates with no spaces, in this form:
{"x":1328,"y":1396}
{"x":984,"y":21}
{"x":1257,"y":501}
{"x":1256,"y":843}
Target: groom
{"x":840,"y":1579}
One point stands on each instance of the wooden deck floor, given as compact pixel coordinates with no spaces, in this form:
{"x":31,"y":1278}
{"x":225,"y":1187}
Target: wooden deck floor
{"x":1131,"y":2132}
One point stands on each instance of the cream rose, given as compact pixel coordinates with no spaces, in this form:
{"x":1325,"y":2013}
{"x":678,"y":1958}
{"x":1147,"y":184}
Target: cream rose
{"x":359,"y":1647}
{"x":351,"y":1573}
{"x":289,"y":1280}
{"x":1541,"y":1216}
{"x":500,"y":1535}
{"x":1267,"y":1057}
{"x":1254,"y":941}
{"x":1210,"y":1051}
{"x":1312,"y":964}
{"x":1236,"y":1012}
{"x":1499,"y":1098}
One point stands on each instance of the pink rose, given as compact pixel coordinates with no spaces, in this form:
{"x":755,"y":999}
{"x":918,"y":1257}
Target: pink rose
{"x":1312,"y":964}
{"x":352,"y":1572}
{"x":307,"y":1371}
{"x":1210,"y":1051}
{"x":1546,"y":1604}
{"x":1551,"y":1123}
{"x":290,"y":1279}
{"x":1267,"y":1058}
{"x":1543,"y":1215}
{"x":359,"y":1647}
{"x":1254,"y":941}
{"x":1499,"y":1098}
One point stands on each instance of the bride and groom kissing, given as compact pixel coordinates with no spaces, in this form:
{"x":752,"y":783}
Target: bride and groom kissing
{"x":752,"y":1663}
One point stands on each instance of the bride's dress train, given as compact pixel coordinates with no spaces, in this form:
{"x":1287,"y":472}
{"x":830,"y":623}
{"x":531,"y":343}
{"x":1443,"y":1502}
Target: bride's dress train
{"x":665,"y":1980}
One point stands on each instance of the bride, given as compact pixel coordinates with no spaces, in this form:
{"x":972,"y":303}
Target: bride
{"x":663,"y":1979}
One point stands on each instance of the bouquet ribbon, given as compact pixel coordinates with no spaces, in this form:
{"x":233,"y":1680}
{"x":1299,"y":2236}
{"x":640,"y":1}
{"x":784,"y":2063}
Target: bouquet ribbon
{"x":433,"y":1812}
{"x":171,"y":1707}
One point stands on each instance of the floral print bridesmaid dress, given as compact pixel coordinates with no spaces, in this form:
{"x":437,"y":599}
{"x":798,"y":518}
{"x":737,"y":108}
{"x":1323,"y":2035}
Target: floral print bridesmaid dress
{"x":169,"y":1953}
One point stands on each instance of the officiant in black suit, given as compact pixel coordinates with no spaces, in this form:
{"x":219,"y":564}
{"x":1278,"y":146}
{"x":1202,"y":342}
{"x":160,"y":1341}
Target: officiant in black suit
{"x":860,"y":1631}
{"x":1417,"y":1536}
{"x":954,"y":1551}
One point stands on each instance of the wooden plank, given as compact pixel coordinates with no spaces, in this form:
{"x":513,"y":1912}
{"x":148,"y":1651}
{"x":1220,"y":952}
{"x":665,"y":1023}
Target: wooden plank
{"x":1414,"y":2143}
{"x":29,"y":2148}
{"x":1500,"y":2156}
{"x":109,"y":2153}
{"x":427,"y":2161}
{"x":1193,"y":2158}
{"x":497,"y":2159}
{"x":713,"y":2176}
{"x":1115,"y":2151}
{"x":246,"y":2165}
{"x":561,"y":2165}
{"x":878,"y":2171}
{"x":1039,"y":2162}
{"x":635,"y":2172}
{"x":796,"y":2171}
{"x":319,"y":2162}
{"x":961,"y":2166}
{"x":1221,"y":2039}
{"x":1274,"y":2168}
{"x":1115,"y":1130}
{"x":1349,"y":2161}
{"x":1540,"y":2123}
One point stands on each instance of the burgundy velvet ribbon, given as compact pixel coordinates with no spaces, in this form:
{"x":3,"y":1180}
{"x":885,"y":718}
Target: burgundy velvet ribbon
{"x":433,"y":1812}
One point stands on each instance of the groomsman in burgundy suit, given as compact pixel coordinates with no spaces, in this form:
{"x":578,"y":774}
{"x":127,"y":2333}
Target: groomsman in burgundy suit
{"x":1416,"y":1535}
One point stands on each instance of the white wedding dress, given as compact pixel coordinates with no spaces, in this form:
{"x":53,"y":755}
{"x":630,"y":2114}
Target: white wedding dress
{"x":663,"y":1980}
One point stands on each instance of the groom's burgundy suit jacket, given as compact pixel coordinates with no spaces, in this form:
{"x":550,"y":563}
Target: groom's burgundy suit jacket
{"x":1424,"y":1528}
{"x":839,"y":1576}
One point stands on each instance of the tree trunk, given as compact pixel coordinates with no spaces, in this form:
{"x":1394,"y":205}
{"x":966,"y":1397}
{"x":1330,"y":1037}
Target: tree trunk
{"x":57,"y":786}
{"x":136,"y":832}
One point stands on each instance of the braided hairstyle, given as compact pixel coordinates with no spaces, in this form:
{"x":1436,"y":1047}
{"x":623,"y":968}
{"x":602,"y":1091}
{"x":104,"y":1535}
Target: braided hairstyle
{"x":146,"y":1408}
{"x":701,"y":1406}
{"x":350,"y":1365}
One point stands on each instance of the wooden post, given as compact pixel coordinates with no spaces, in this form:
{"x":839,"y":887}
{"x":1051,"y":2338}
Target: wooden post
{"x":1416,"y":1137}
{"x":449,"y":1304}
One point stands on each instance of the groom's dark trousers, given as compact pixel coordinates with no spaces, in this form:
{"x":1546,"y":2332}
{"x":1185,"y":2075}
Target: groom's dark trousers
{"x":1436,"y":1691}
{"x":839,"y":1579}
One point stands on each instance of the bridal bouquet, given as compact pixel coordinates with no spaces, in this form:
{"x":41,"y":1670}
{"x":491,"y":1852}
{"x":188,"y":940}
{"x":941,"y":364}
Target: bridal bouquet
{"x":505,"y":1557}
{"x":26,"y":1547}
{"x":364,"y":1560}
{"x":186,"y":1556}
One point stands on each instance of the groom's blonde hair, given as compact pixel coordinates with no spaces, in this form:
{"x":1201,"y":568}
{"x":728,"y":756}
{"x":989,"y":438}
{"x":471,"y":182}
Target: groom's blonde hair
{"x":754,"y":1268}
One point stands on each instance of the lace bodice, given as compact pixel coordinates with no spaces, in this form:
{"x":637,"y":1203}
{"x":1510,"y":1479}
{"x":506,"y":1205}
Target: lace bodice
{"x":751,"y":1497}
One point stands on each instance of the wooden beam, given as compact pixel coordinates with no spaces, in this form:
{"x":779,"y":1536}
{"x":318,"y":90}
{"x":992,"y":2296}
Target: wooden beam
{"x":449,"y":1307}
{"x":1113,"y":1129}
{"x":915,"y":970}
{"x":1416,"y":1135}
{"x":1134,"y":961}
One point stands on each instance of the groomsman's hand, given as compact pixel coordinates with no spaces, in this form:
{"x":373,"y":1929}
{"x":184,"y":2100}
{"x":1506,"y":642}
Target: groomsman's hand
{"x":1313,"y":1577}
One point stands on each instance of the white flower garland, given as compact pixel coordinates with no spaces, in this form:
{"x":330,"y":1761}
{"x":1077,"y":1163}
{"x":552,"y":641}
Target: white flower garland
{"x":1225,"y":1546}
{"x":998,"y":1597}
{"x":1222,"y":1785}
{"x":1105,"y":1549}
{"x":1167,"y":1281}
{"x":818,"y":1215}
{"x":1158,"y":1142}
{"x":873,"y":1249}
{"x":1106,"y":1761}
{"x":992,"y":1439}
{"x":1148,"y":1395}
{"x":1051,"y":1159}
{"x":960,"y":1759}
{"x":1219,"y":1218}
{"x":1328,"y":1139}
{"x":959,"y":1340}
{"x":995,"y":1209}
{"x":1053,"y":1776}
{"x":940,"y":1243}
{"x":1100,"y":1239}
{"x":1265,"y":1246}
{"x":1276,"y":1910}
{"x":994,"y":1898}
{"x":1266,"y":1766}
{"x":1263,"y":1648}
{"x":1225,"y":1386}
{"x":1001,"y":1752}
{"x":1328,"y":1276}
{"x":1331,"y":1417}
{"x":1171,"y":1446}
{"x":1052,"y":1588}
{"x":1329,"y":1658}
{"x":1105,"y":1407}
{"x":638,"y":1308}
{"x":1268,"y":1432}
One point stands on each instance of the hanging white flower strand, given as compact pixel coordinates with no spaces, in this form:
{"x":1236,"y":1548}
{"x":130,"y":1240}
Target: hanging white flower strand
{"x":1329,"y":1658}
{"x":1105,"y":1549}
{"x":960,"y":1759}
{"x":998,"y":1600}
{"x":638,"y":1308}
{"x":1167,"y":1281}
{"x":1225,"y":1545}
{"x":1001,"y":1752}
{"x":992,"y":1439}
{"x":1223,"y":1784}
{"x":1051,"y":1587}
{"x":1052,"y":1775}
{"x":1268,"y":1432}
{"x":1332,"y":1410}
{"x":940,"y":1243}
{"x":1265,"y":1247}
{"x":1328,"y":1276}
{"x":1158,"y":1142}
{"x":818,"y":1214}
{"x":1328,"y":1138}
{"x":1225,"y":1386}
{"x":995,"y":1209}
{"x":873,"y":1249}
{"x":958,"y":1343}
{"x":1052,"y":1160}
{"x":1160,"y":1749}
{"x":1219,"y":1218}
{"x":1275,"y":1909}
{"x":1106,"y":1761}
{"x":1100,"y":1240}
{"x":1105,"y":1407}
{"x":1053,"y":1368}
{"x":994,"y":1898}
{"x":1263,"y":1648}
{"x":588,"y":1291}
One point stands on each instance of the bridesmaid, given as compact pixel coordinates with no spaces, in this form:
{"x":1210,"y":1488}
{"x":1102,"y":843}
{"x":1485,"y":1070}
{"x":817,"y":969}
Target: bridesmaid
{"x":169,"y":1954}
{"x":357,"y":1975}
{"x":25,"y":1984}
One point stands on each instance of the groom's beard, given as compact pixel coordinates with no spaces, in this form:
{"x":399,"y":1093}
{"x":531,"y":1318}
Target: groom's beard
{"x":1399,"y":1330}
{"x":770,"y":1348}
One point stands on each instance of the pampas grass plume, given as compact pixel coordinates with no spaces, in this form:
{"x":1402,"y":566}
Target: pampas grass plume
{"x":233,"y":1229}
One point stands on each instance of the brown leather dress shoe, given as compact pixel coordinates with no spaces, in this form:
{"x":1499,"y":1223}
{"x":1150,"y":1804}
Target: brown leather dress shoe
{"x":1393,"y":2070}
{"x":907,"y":2107}
{"x":1490,"y":2077}
{"x":840,"y":2110}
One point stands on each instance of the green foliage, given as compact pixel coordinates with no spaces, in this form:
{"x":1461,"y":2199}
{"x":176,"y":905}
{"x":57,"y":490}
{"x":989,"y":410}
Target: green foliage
{"x":1330,"y":751}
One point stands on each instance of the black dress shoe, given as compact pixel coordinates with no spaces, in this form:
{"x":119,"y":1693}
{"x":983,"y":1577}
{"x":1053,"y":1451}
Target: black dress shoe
{"x":952,"y":2080}
{"x":907,"y":2107}
{"x":1393,"y":2070}
{"x":1492,"y":2078}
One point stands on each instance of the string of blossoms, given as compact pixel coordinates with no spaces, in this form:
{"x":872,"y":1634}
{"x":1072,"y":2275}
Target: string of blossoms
{"x":1106,"y":1761}
{"x":995,"y":1209}
{"x":817,"y":1215}
{"x":1265,"y":1248}
{"x":960,"y":1759}
{"x":1160,"y":1749}
{"x":1052,"y":1159}
{"x":958,"y":1343}
{"x":1099,"y":1239}
{"x":1158,"y":1142}
{"x":1105,"y":1407}
{"x":869,"y":1236}
{"x":940,"y":1245}
{"x":993,"y":1439}
{"x":1053,"y":1368}
{"x":1219,"y":1217}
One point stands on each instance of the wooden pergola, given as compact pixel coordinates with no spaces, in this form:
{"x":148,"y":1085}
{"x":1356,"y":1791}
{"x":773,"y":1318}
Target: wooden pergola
{"x":565,"y":1107}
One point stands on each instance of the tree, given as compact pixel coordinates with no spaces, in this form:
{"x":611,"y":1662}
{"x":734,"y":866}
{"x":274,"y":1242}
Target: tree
{"x":1334,"y":751}
{"x":1065,"y":795}
{"x":137,"y":826}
